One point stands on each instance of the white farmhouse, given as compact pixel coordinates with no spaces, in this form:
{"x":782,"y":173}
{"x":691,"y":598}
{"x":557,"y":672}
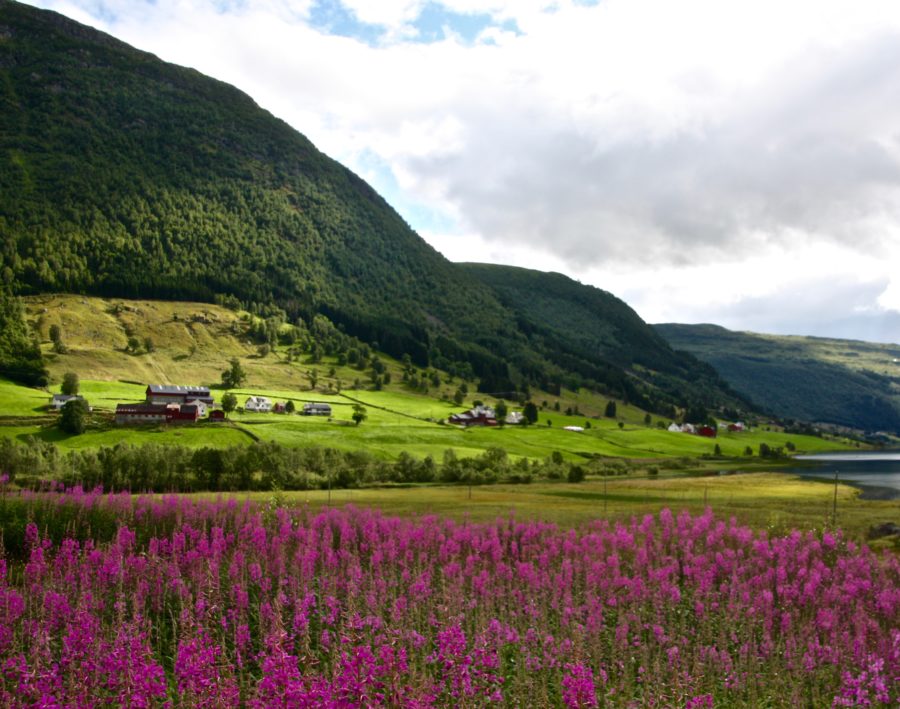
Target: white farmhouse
{"x":60,"y":400}
{"x":674,"y":428}
{"x":202,"y":408}
{"x":258,"y":404}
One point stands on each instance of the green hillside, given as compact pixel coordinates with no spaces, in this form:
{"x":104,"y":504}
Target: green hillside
{"x":121,"y":175}
{"x":843,"y":382}
{"x":582,"y":326}
{"x":192,"y":343}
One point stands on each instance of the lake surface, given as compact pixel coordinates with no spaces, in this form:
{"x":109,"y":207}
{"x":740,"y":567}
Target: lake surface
{"x":876,"y":473}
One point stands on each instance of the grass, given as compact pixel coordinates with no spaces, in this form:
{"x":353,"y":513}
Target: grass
{"x":194,"y":341}
{"x":16,"y":400}
{"x":778,"y":502}
{"x":397,"y":421}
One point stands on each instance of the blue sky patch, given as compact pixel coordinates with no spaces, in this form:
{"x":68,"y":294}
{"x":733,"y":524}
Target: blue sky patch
{"x":331,"y":17}
{"x":435,"y":21}
{"x":420,"y":217}
{"x":433,"y":24}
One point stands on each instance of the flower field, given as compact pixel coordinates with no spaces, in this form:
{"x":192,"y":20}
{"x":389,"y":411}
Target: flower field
{"x":118,"y":600}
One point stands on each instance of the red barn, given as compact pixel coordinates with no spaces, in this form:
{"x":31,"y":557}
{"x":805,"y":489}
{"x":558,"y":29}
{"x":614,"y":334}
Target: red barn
{"x":186,"y":413}
{"x":707,"y":431}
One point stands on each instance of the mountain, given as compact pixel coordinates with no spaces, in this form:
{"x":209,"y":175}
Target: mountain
{"x":585,"y":328}
{"x":122,"y":175}
{"x":843,"y":382}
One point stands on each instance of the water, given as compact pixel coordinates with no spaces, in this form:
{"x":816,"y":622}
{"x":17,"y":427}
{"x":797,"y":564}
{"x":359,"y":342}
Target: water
{"x":876,"y":474}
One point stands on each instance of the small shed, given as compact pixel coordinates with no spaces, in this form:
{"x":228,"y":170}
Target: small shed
{"x":314,"y":409}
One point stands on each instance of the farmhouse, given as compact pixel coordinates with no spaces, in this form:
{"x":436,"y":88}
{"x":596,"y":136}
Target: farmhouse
{"x":60,"y":400}
{"x":202,"y":408}
{"x":259,"y":404}
{"x":515,"y":418}
{"x":316,"y":410}
{"x":479,"y":416}
{"x":177,"y":394}
{"x":674,"y":427}
{"x":576,"y":429}
{"x":707,"y":431}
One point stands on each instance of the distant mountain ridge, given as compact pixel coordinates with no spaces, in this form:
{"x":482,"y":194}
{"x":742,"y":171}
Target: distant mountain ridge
{"x":843,"y":382}
{"x":121,"y":175}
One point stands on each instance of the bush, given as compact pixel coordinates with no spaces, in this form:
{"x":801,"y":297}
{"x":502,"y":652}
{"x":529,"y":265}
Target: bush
{"x":74,"y":416}
{"x":576,"y":474}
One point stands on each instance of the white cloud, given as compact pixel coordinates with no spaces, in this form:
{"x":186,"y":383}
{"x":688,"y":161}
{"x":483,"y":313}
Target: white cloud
{"x":889,"y":299}
{"x":672,"y":142}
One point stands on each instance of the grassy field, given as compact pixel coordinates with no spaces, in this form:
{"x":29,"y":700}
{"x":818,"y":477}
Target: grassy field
{"x":397,"y":421}
{"x":775,"y":501}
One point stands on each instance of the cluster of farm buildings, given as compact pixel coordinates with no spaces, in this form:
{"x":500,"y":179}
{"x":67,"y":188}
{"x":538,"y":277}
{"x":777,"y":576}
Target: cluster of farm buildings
{"x":483,"y":416}
{"x":708,"y":431}
{"x":172,"y":403}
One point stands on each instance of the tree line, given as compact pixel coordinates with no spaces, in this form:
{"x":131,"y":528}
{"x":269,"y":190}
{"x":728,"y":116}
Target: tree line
{"x":267,"y":466}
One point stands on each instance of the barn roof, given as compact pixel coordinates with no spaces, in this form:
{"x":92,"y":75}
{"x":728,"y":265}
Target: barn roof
{"x":177,"y":389}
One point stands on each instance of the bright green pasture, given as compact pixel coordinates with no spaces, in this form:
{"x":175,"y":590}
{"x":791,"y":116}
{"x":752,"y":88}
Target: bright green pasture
{"x":215,"y":435}
{"x":16,"y":400}
{"x":397,"y":421}
{"x":105,"y":395}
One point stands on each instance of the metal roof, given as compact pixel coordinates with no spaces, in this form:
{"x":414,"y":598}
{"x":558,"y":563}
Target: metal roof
{"x":177,"y":389}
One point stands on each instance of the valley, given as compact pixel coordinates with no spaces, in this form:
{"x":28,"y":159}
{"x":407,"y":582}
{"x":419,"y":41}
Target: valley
{"x":262,"y":445}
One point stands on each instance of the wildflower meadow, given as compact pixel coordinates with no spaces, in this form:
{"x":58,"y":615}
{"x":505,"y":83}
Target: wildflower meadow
{"x":150,"y":601}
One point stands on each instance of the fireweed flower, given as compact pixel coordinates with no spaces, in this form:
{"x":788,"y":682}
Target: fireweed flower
{"x":219,"y":603}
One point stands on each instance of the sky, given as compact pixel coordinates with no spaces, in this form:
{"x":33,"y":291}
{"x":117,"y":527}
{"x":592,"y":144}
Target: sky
{"x":718,"y":161}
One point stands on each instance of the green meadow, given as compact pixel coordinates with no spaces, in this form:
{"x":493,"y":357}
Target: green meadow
{"x":396,"y":422}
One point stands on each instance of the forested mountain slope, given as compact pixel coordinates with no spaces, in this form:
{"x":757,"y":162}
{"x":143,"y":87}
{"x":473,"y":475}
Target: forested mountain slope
{"x":581,"y":325}
{"x":124,"y":175}
{"x":842,"y":382}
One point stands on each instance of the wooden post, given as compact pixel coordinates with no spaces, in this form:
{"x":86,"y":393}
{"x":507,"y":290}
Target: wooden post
{"x":834,"y":505}
{"x":605,"y":496}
